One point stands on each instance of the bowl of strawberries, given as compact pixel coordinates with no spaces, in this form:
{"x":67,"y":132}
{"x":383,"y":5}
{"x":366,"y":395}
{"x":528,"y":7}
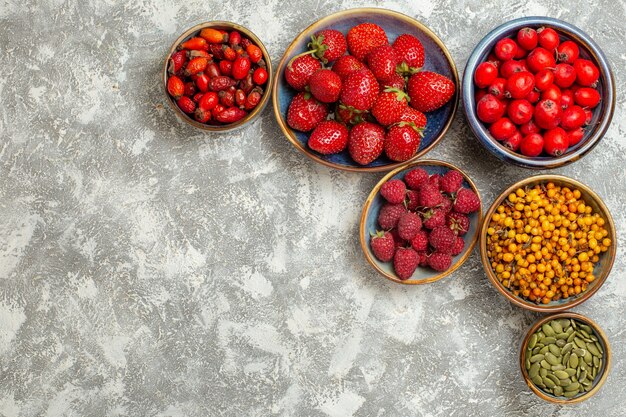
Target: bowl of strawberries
{"x":420,"y":222}
{"x":217,"y":76}
{"x":365,"y":90}
{"x":538,"y":92}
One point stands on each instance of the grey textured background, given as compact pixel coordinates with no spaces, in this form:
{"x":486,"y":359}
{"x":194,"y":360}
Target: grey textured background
{"x":148,"y":269}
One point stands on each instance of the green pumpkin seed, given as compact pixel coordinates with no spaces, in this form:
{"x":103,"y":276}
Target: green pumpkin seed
{"x":549,"y":383}
{"x":564,"y":382}
{"x":536,"y":350}
{"x":573,"y":361}
{"x":579,"y":342}
{"x":552,"y":359}
{"x":534,"y":370}
{"x":558,"y":367}
{"x":574,"y":324}
{"x":570,"y":394}
{"x":560,"y":342}
{"x":599,"y":364}
{"x":583,"y":332}
{"x":586,"y":388}
{"x":527,"y":364}
{"x":549,"y":340}
{"x":561,"y":336}
{"x":571,"y":371}
{"x":593,"y":350}
{"x":554,"y":349}
{"x":565,"y":359}
{"x":558,"y":391}
{"x":561,"y":374}
{"x":592,"y":337}
{"x":537,"y":380}
{"x":599,"y":347}
{"x":586,"y":383}
{"x":583,"y":376}
{"x":572,"y":387}
{"x":545,"y":364}
{"x":554,"y":379}
{"x":547,"y":330}
{"x":582,"y":366}
{"x":556,"y":326}
{"x":540,"y":335}
{"x":571,"y":337}
{"x":564,"y":323}
{"x":536,"y":358}
{"x":588,"y":358}
{"x":580,"y":352}
{"x":596,"y":361}
{"x":567,"y":348}
{"x":542,"y":371}
{"x":585,"y":328}
{"x":544,"y":349}
{"x":533,"y":341}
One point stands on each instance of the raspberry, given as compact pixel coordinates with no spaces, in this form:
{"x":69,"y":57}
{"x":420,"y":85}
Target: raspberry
{"x":458,"y":222}
{"x":405,"y":262}
{"x":451,"y":181}
{"x":383,"y":246}
{"x":408,"y":225}
{"x":434,"y":218}
{"x":393,"y":191}
{"x":423,"y":255}
{"x":397,"y":240}
{"x":439,"y":261}
{"x":389,"y":215}
{"x":458,"y":246}
{"x":415,"y":177}
{"x":412,"y":199}
{"x":429,"y":196}
{"x":420,"y":241}
{"x":466,"y":201}
{"x":435,"y":181}
{"x":442,"y":238}
{"x":445,"y":205}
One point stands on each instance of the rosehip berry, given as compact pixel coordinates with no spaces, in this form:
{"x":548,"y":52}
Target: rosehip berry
{"x":552,"y":93}
{"x":226,"y":67}
{"x":588,"y":116}
{"x":234,"y":38}
{"x":227,"y":97}
{"x":520,"y":111}
{"x":533,"y":96}
{"x":231,"y":115}
{"x":505,"y":49}
{"x":208,"y":101}
{"x":509,"y":68}
{"x":544,"y":79}
{"x":260,"y":76}
{"x":241,"y":67}
{"x":186,"y":104}
{"x":240,"y":97}
{"x":196,"y":65}
{"x":175,"y":87}
{"x":532,"y":145}
{"x":587,"y":97}
{"x":202,"y":116}
{"x":575,"y":136}
{"x":587,"y":73}
{"x":212,"y":70}
{"x":190,"y":89}
{"x":520,"y":84}
{"x":195,"y":43}
{"x":502,"y":129}
{"x":177,"y":60}
{"x":489,"y":109}
{"x":197,"y":97}
{"x":573,"y":117}
{"x":485,"y":74}
{"x":213,"y":35}
{"x":221,"y":83}
{"x":497,"y":88}
{"x":567,"y":98}
{"x":479,"y":93}
{"x":540,"y":58}
{"x":567,"y":52}
{"x":547,"y":114}
{"x":253,"y":99}
{"x":229,"y":53}
{"x":556,"y":141}
{"x":513,"y":141}
{"x":245,"y":42}
{"x":202,"y":82}
{"x":217,"y":110}
{"x":529,"y":127}
{"x":255,"y":53}
{"x":548,"y":38}
{"x":564,"y":75}
{"x":527,"y":38}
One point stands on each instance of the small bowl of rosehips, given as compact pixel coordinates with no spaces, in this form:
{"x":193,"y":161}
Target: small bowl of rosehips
{"x":538,"y":92}
{"x":420,"y":222}
{"x":217,"y":76}
{"x":365,"y":90}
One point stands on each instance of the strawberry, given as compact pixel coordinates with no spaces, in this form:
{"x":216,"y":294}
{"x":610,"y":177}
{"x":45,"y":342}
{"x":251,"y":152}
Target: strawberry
{"x":363,"y":38}
{"x":466,"y":201}
{"x":382,"y":62}
{"x":393,"y":191}
{"x":348,"y":115}
{"x":405,"y":262}
{"x":389,"y":215}
{"x":402,"y":142}
{"x":439,"y":261}
{"x":365,"y":142}
{"x":457,"y":222}
{"x":451,"y":181}
{"x":305,"y":112}
{"x":328,"y":45}
{"x":186,"y":104}
{"x":415,"y":178}
{"x":382,"y":245}
{"x":458,"y":246}
{"x":434,"y":218}
{"x":420,"y":241}
{"x":389,"y":106}
{"x":417,"y":117}
{"x":442,"y":238}
{"x":325,"y":85}
{"x":346,"y":65}
{"x":409,"y":224}
{"x":177,"y":60}
{"x":429,"y":195}
{"x":409,"y":50}
{"x":299,"y":70}
{"x":176,"y":87}
{"x":395,"y":81}
{"x":329,"y":137}
{"x":429,"y":91}
{"x":359,"y":90}
{"x":412,"y":199}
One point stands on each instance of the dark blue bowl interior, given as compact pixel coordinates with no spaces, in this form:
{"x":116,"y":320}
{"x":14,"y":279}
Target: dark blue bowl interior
{"x":394,"y":26}
{"x":588,"y":50}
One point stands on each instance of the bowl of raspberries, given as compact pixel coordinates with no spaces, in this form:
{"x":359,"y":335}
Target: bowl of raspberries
{"x":217,"y":76}
{"x":538,"y":92}
{"x":365,"y":90}
{"x":420,"y":222}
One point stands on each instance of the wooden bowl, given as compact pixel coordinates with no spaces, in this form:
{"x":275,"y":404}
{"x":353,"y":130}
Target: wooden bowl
{"x":228,"y":26}
{"x":438,"y":59}
{"x":375,"y":201}
{"x":602,"y":268}
{"x":600,"y":377}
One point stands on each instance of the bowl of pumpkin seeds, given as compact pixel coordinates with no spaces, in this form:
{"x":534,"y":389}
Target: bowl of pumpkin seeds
{"x":565,"y":358}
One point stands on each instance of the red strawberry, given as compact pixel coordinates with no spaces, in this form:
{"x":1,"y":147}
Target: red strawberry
{"x":363,"y":38}
{"x":300,"y":69}
{"x":346,"y":65}
{"x":405,"y":262}
{"x":305,"y":112}
{"x":429,"y":91}
{"x":175,"y":86}
{"x":442,"y":239}
{"x":328,"y":45}
{"x":410,"y":50}
{"x":402,"y":142}
{"x":329,"y":137}
{"x":186,"y":104}
{"x":457,"y":222}
{"x":409,"y":224}
{"x":434,"y":218}
{"x":348,"y":115}
{"x":365,"y":142}
{"x":429,"y":195}
{"x":383,"y":246}
{"x":382,"y":62}
{"x":393,"y":191}
{"x":416,"y":177}
{"x":451,"y":181}
{"x":396,"y":81}
{"x":389,"y":106}
{"x":420,"y":241}
{"x":177,"y":60}
{"x":440,"y":261}
{"x":458,"y":247}
{"x":325,"y":85}
{"x":389,"y":215}
{"x":466,"y":201}
{"x":359,"y":90}
{"x":415,"y":116}
{"x":412,"y":199}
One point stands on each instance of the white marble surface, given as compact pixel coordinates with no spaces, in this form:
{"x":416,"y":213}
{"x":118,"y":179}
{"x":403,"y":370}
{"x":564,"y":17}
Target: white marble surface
{"x":148,"y":269}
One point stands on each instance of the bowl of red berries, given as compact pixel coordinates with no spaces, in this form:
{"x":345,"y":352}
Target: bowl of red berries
{"x":365,"y":90}
{"x":217,"y":76}
{"x":420,"y":222}
{"x":538,"y":92}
